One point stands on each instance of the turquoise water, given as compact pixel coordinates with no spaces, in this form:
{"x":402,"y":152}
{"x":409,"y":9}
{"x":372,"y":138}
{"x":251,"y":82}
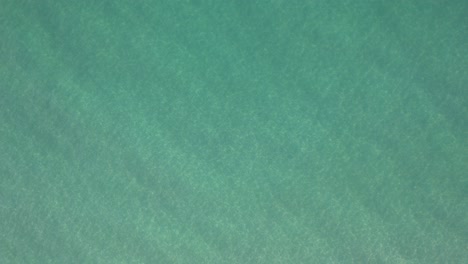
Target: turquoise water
{"x":233,"y":131}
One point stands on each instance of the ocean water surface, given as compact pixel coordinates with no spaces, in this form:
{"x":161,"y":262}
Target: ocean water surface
{"x":233,"y":131}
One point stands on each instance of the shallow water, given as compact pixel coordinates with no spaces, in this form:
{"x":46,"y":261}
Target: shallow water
{"x":268,"y":132}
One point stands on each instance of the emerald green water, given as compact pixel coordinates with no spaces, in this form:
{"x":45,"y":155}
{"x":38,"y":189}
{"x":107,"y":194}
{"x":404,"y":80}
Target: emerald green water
{"x":233,"y":131}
